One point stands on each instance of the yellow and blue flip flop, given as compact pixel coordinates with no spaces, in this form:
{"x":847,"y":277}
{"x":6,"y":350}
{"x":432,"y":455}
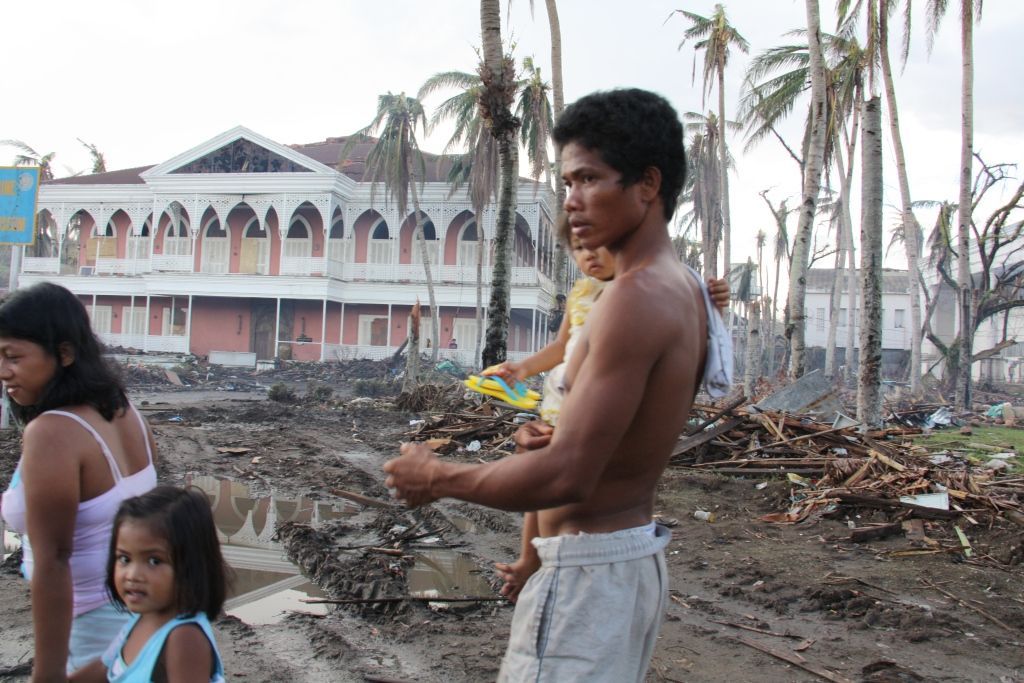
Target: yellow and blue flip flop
{"x":517,"y":396}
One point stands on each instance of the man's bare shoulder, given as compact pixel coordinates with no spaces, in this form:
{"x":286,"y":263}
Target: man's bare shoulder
{"x":660,"y":284}
{"x":654,"y":299}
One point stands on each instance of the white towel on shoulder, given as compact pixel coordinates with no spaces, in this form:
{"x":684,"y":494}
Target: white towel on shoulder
{"x":718,"y":366}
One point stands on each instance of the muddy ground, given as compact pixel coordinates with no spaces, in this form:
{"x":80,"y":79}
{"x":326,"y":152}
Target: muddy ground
{"x":739,"y":586}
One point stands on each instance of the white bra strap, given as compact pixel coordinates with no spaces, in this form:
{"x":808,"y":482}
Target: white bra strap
{"x":114,"y":469}
{"x":145,"y":433}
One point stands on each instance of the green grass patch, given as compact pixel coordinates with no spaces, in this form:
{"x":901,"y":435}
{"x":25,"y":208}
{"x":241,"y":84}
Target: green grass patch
{"x":1005,"y":439}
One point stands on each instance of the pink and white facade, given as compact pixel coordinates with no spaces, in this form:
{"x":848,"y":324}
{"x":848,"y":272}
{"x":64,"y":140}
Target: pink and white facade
{"x":248,"y":249}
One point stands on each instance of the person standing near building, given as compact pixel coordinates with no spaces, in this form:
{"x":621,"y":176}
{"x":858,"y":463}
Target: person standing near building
{"x":85,"y":449}
{"x":593,"y":609}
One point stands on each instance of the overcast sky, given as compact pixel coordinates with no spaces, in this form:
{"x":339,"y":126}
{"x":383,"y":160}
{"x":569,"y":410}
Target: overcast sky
{"x":145,"y":81}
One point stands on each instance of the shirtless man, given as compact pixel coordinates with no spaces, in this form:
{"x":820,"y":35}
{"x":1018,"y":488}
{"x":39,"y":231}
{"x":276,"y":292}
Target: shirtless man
{"x":592,"y":610}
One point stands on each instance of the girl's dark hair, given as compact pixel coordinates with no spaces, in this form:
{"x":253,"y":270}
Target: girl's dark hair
{"x":183,"y":517}
{"x":51,"y":316}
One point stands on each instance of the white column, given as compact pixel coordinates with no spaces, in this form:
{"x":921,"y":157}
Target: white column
{"x":389,"y":327}
{"x":145,"y":327}
{"x":188,"y":324}
{"x":341,"y":326}
{"x":277,"y":329}
{"x":16,"y":265}
{"x":533,"y":329}
{"x":323,"y":326}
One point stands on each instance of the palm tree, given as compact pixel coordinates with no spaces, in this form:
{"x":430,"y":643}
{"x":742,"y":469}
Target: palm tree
{"x":396,"y":161}
{"x":815,"y":159}
{"x":99,"y":162}
{"x":703,"y":182}
{"x":768,"y":98}
{"x":752,"y":369}
{"x":869,"y":379}
{"x":970,"y":11}
{"x":477,"y":168}
{"x":781,"y":249}
{"x":558,"y":102}
{"x":878,"y":42}
{"x":533,"y":109}
{"x":716,"y":36}
{"x":30,"y":157}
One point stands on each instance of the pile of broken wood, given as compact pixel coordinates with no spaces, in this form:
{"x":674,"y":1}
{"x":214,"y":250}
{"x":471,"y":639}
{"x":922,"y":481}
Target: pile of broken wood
{"x":832,"y":466}
{"x":482,"y":430}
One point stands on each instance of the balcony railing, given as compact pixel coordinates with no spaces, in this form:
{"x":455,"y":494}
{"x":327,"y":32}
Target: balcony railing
{"x":304,"y":266}
{"x":173,"y":264}
{"x":463,"y":357}
{"x":40,"y":264}
{"x":122,"y":266}
{"x":146,"y":342}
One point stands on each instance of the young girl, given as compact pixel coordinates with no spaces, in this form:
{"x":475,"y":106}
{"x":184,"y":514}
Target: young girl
{"x":166,"y":568}
{"x":84,"y":450}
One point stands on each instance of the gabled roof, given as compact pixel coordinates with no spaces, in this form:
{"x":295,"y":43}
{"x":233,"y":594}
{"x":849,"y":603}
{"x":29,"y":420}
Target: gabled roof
{"x":127,"y":176}
{"x":329,"y":151}
{"x":239,"y":150}
{"x":315,"y":157}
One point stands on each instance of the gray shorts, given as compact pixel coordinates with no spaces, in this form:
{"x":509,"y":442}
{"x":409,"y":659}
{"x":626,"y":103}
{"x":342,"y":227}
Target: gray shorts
{"x":592,"y":611}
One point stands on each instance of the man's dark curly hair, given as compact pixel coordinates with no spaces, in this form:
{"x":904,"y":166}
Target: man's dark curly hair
{"x":632,"y":130}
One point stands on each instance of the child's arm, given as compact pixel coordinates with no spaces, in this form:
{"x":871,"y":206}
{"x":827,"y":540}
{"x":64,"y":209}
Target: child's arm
{"x":718,"y":288}
{"x":545,"y":359}
{"x":187,"y":655}
{"x":516,"y":574}
{"x":93,"y":672}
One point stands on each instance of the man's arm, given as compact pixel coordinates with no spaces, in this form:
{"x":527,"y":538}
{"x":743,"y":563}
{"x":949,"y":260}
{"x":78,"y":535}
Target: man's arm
{"x":606,"y":393}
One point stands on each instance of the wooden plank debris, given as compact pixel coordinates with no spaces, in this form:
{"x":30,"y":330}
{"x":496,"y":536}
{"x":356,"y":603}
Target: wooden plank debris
{"x":796,"y":660}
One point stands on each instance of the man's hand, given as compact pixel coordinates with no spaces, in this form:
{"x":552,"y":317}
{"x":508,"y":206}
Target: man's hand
{"x":515,"y":576}
{"x":533,"y":435}
{"x":410,"y":477}
{"x":718,"y":288}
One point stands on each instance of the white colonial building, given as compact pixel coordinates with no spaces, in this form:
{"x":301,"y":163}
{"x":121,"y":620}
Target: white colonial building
{"x":259,"y":250}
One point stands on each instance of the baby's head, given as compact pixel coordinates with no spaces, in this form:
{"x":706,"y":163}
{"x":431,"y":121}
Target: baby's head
{"x":165,"y":556}
{"x":597,"y":263}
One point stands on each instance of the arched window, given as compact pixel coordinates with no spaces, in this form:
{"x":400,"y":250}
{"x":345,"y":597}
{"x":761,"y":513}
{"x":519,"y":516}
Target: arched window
{"x":255,"y":253}
{"x":104,"y":243}
{"x":139,"y":245}
{"x":468,"y":244}
{"x":379,"y":248}
{"x":215,"y":248}
{"x":177,"y":237}
{"x":430,"y":237}
{"x":298,"y":242}
{"x":337,"y":246}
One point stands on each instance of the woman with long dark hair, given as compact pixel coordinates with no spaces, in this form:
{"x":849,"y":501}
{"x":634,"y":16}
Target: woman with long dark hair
{"x":85,"y":449}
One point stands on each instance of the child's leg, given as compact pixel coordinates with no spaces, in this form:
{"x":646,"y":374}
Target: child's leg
{"x":516,"y":574}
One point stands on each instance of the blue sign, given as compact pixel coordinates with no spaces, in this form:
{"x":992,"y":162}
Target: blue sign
{"x":19,"y":188}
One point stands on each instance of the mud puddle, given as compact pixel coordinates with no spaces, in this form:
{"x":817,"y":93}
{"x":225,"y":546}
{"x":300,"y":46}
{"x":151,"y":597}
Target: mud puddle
{"x":266,"y":587}
{"x":444,"y":573}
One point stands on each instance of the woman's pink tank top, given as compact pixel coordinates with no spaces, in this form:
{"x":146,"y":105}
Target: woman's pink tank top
{"x":94,"y":522}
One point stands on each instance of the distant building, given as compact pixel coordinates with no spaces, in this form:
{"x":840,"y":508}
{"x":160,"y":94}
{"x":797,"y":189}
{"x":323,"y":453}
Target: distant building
{"x":896,"y":334}
{"x":255,"y":250}
{"x":1008,"y":363}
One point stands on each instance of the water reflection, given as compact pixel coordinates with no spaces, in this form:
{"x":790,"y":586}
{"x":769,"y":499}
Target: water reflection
{"x":266,"y":586}
{"x":446,"y":574}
